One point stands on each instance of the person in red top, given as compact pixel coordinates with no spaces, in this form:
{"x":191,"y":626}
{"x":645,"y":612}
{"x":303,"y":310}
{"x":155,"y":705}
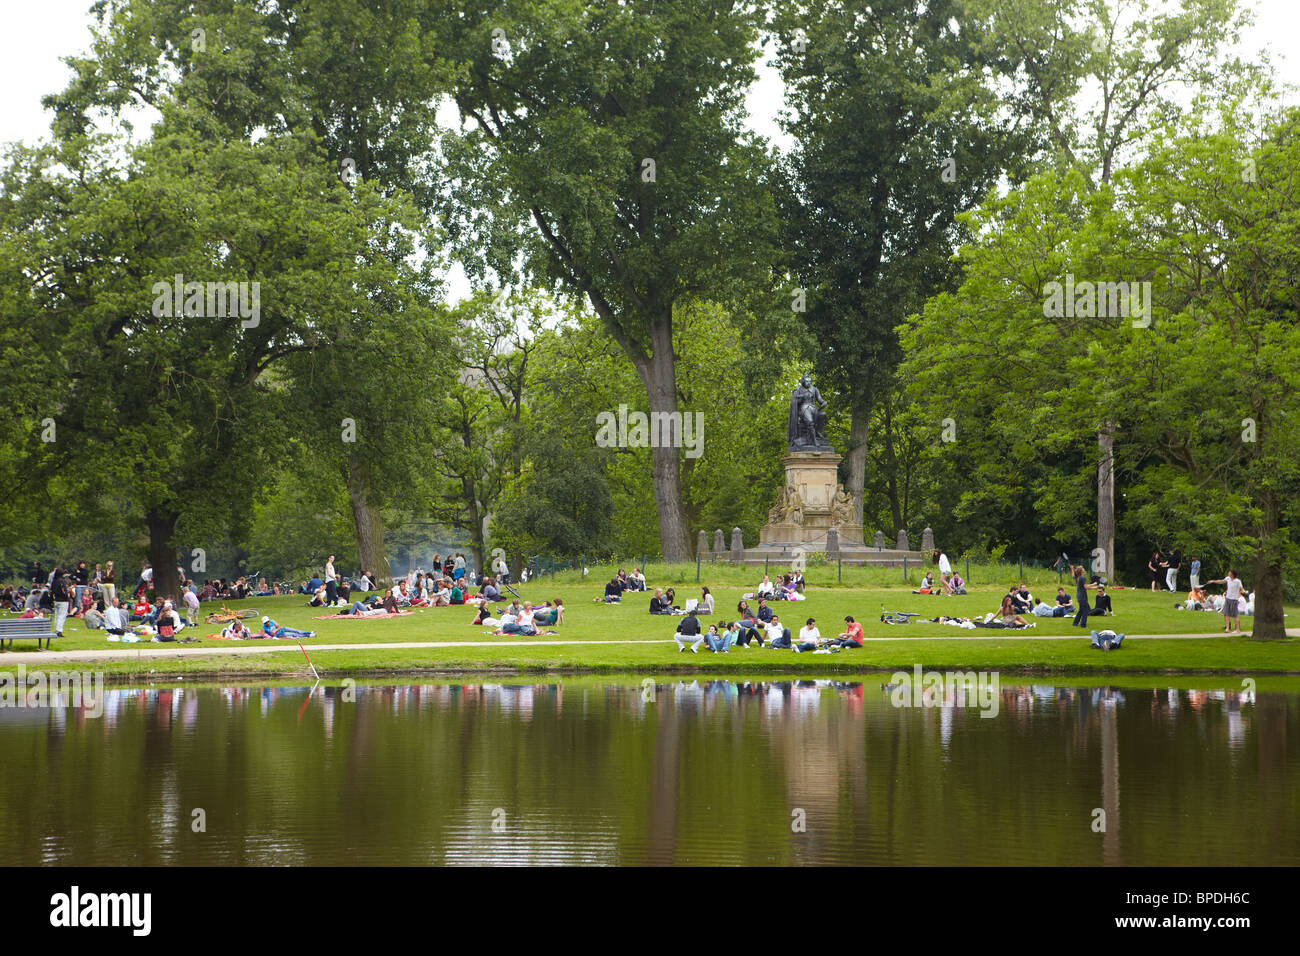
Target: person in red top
{"x":142,"y":607}
{"x":852,"y":636}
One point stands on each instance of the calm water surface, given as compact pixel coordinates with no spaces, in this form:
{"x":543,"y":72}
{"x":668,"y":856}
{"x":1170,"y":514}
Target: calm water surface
{"x":678,"y":772}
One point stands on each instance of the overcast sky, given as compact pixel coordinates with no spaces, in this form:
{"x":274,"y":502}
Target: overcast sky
{"x":37,"y":34}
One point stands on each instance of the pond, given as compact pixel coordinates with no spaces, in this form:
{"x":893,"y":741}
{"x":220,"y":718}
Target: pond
{"x":675,"y":771}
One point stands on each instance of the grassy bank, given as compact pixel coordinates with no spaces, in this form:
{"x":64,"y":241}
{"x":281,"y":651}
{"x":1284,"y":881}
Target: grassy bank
{"x":929,"y":644}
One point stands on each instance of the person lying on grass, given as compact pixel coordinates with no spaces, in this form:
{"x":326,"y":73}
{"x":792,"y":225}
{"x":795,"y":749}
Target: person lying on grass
{"x":550,"y":614}
{"x":236,"y":631}
{"x":272,"y":629}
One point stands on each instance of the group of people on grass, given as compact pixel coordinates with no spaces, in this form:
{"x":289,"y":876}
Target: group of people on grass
{"x":755,"y":626}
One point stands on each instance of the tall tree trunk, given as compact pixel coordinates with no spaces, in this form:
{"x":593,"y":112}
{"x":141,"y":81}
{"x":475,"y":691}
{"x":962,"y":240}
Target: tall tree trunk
{"x":162,"y":553}
{"x":1269,"y":621}
{"x":657,"y":372}
{"x":475,"y":523}
{"x":1106,"y":497}
{"x":370,"y":526}
{"x":859,"y":418}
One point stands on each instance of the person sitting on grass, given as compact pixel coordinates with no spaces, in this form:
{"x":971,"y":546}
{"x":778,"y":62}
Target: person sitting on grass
{"x":1101,"y":603}
{"x":1198,"y":599}
{"x":95,"y":617}
{"x":659,"y":604}
{"x":719,"y":643}
{"x":808,"y":637}
{"x":852,"y":636}
{"x":457,"y":595}
{"x":490,"y":591}
{"x":510,"y":619}
{"x":168,"y":623}
{"x":748,"y":625}
{"x":778,"y":635}
{"x":670,"y":596}
{"x":1008,"y":616}
{"x":688,"y":632}
{"x":116,"y":619}
{"x":143,"y":610}
{"x":956,"y":584}
{"x":636,"y":580}
{"x":272,"y":629}
{"x":1021,"y":599}
{"x":1064,"y":601}
{"x":764,"y":612}
{"x":613,"y":591}
{"x":927,"y":584}
{"x":766,"y":588}
{"x":705,"y":606}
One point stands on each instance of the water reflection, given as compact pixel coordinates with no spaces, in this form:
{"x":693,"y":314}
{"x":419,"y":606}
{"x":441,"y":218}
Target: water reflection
{"x":680,"y":771}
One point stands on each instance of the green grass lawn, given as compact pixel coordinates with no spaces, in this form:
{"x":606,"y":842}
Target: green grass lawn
{"x":931,"y":645}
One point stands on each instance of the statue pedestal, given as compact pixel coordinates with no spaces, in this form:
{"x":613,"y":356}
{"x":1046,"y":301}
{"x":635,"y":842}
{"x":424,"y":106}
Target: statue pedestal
{"x":815,"y":475}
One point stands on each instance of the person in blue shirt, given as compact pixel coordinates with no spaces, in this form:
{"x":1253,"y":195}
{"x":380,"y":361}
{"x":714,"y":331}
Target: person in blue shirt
{"x":271,"y":629}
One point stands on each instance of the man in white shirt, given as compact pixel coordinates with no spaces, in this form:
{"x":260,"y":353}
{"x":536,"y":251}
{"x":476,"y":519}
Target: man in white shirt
{"x":808,"y":637}
{"x":777,"y":635}
{"x":116,"y":619}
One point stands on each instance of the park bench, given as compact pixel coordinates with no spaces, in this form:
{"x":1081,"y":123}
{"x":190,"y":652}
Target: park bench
{"x":25,"y":629}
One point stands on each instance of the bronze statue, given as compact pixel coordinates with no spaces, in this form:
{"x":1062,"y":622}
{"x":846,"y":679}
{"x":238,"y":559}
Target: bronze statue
{"x":805,"y":428}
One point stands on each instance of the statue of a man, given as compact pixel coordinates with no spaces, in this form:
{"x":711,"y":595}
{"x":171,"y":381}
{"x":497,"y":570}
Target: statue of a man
{"x":807,"y":417}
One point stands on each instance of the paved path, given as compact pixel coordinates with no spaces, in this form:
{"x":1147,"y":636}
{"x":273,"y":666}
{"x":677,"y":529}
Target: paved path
{"x":152,"y":651}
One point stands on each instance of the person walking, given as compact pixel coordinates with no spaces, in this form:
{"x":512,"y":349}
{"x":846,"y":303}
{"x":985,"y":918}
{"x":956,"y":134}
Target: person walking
{"x":59,"y":592}
{"x":1081,"y":597}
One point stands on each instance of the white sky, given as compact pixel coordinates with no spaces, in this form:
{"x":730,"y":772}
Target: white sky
{"x":38,"y":34}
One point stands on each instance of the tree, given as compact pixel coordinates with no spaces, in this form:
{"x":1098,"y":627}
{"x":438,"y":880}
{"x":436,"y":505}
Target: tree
{"x":897,"y":128}
{"x":170,"y":399}
{"x":1097,"y":76}
{"x":604,"y":151}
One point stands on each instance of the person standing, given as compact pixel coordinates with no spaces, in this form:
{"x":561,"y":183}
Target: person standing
{"x":331,"y":582}
{"x":1231,"y":594}
{"x":1153,"y":568}
{"x":1081,"y":597}
{"x":1196,"y":573}
{"x":38,"y":573}
{"x":59,"y":594}
{"x":109,"y":584}
{"x":80,"y":583}
{"x":1171,"y":575}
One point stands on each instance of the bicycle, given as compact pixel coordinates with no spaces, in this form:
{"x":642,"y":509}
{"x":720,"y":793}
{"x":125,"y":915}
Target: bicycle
{"x":229,"y":616}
